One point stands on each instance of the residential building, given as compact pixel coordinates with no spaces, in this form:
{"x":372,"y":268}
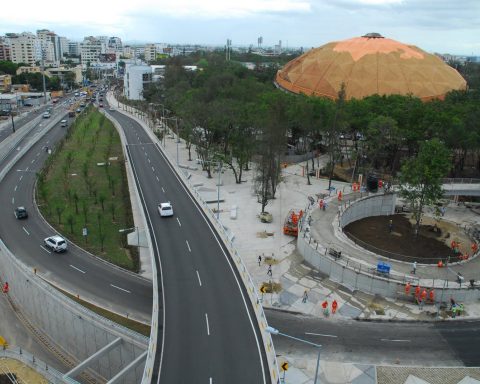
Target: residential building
{"x":74,"y":48}
{"x":60,"y":72}
{"x":64,"y":46}
{"x":32,"y":69}
{"x":150,"y":52}
{"x":128,"y":51}
{"x":5,"y":83}
{"x":90,"y":50}
{"x":23,"y":47}
{"x":136,"y":78}
{"x":115,"y":43}
{"x":5,"y":52}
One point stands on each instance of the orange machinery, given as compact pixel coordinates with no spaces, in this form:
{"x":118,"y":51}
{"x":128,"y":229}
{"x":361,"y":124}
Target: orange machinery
{"x":290,"y":227}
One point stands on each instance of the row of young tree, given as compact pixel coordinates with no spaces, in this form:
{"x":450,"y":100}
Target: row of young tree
{"x":236,"y":116}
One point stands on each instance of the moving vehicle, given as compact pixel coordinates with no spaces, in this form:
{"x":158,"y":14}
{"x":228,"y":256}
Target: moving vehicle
{"x":46,"y":115}
{"x":71,"y":113}
{"x":56,"y":243}
{"x":20,"y":213}
{"x":63,"y":123}
{"x":165,"y":209}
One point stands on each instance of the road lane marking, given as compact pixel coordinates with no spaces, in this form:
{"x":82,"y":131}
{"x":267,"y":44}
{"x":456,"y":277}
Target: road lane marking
{"x":32,"y":161}
{"x":179,"y":224}
{"x":148,"y":159}
{"x":188,"y":245}
{"x":153,"y":169}
{"x":163,"y":190}
{"x":145,"y":152}
{"x":121,"y":289}
{"x":13,"y":200}
{"x":78,"y":269}
{"x":21,"y":177}
{"x":26,"y":169}
{"x":45,"y":249}
{"x":319,"y":334}
{"x":397,"y":340}
{"x":38,"y":153}
{"x":26,"y":231}
{"x":199,"y":281}
{"x":15,"y":189}
{"x":208,"y":327}
{"x":157,"y":178}
{"x":211,"y":381}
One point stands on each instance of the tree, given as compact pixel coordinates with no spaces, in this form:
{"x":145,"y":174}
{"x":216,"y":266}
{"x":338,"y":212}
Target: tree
{"x":70,"y":222}
{"x":421,"y":177}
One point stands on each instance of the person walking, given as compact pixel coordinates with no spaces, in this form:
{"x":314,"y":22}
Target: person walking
{"x":269,"y":272}
{"x":325,"y":307}
{"x":414,"y":267}
{"x":390,"y":225}
{"x":259,"y":260}
{"x":305,"y":296}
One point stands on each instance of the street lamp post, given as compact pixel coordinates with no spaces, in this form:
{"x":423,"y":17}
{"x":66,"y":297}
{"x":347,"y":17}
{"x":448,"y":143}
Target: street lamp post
{"x":130,"y":229}
{"x":275,"y":331}
{"x":218,"y":190}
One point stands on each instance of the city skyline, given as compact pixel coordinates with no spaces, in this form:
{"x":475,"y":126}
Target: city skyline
{"x":435,"y":26}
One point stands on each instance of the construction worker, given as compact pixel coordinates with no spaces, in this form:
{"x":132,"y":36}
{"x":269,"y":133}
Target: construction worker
{"x":5,"y":287}
{"x":414,"y":267}
{"x":339,"y":195}
{"x":334,"y":306}
{"x":320,"y":204}
{"x":431,"y":295}
{"x":423,"y":295}
{"x":407,"y":289}
{"x":417,"y":292}
{"x":325,"y":307}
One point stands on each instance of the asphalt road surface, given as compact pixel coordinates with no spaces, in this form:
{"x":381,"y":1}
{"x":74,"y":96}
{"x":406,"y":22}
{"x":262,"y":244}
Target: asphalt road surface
{"x":210,"y":332}
{"x":75,"y":270}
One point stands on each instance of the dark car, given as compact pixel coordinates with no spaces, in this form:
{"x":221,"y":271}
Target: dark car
{"x":21,"y":213}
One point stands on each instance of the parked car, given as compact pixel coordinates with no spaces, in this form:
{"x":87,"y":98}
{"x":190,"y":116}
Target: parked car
{"x":165,"y":209}
{"x":56,"y":243}
{"x":21,"y":213}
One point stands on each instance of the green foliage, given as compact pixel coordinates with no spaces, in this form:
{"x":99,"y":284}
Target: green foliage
{"x":421,"y":178}
{"x":87,"y":199}
{"x":8,"y":68}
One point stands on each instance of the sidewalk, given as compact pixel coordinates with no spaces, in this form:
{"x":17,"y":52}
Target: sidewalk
{"x":253,"y":238}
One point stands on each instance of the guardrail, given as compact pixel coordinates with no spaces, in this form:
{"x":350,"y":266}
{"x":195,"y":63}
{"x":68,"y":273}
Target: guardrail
{"x":461,"y":180}
{"x":239,"y":264}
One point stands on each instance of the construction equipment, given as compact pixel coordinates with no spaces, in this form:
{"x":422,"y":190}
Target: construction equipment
{"x":290,"y":227}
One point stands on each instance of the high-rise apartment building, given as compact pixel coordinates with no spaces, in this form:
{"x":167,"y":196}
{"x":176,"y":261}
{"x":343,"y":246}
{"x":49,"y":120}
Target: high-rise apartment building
{"x":23,"y":47}
{"x":150,"y":52}
{"x":5,"y":52}
{"x":90,"y":50}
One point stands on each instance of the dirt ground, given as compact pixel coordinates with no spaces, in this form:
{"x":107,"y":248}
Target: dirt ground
{"x":431,"y":245}
{"x":23,"y":373}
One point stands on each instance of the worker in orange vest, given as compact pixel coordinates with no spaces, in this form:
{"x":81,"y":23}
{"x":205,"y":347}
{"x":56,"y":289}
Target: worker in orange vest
{"x":431,"y":295}
{"x":407,"y":289}
{"x":417,"y":291}
{"x":334,"y":306}
{"x":380,"y":183}
{"x":325,"y":307}
{"x":320,"y":204}
{"x":453,"y":244}
{"x":339,"y":195}
{"x":5,"y":287}
{"x":424,"y":294}
{"x":474,"y":247}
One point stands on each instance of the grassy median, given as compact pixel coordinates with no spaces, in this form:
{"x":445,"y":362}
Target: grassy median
{"x":84,"y":185}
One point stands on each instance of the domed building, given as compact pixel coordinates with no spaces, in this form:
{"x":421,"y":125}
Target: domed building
{"x":369,"y":65}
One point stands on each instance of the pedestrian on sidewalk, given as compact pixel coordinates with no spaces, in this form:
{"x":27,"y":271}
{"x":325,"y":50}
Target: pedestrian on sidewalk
{"x":390,"y":225}
{"x":305,"y":296}
{"x":259,"y":260}
{"x":320,"y":204}
{"x":414,"y":267}
{"x":269,"y":272}
{"x":334,"y":306}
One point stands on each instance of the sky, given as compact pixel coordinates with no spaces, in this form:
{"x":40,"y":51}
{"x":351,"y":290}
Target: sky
{"x":444,"y":26}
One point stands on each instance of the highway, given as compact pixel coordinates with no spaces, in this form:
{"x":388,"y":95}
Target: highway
{"x":210,"y":331}
{"x":75,"y":271}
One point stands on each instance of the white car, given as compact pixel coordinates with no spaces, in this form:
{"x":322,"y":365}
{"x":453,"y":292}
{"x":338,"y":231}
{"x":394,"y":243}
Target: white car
{"x":46,"y":115}
{"x":165,"y":209}
{"x":56,"y":243}
{"x":63,"y":123}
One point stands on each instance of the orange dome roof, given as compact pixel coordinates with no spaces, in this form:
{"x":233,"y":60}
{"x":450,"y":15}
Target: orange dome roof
{"x":369,"y":65}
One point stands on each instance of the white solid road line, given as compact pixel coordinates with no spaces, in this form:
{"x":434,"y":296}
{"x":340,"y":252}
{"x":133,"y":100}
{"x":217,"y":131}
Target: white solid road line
{"x":397,"y":341}
{"x":15,"y":189}
{"x":319,"y":334}
{"x":153,"y":169}
{"x":157,"y":178}
{"x":208,"y":327}
{"x":211,"y":381}
{"x":26,"y":231}
{"x":121,"y":289}
{"x":78,"y":269}
{"x":45,"y":249}
{"x":163,"y":190}
{"x":188,"y":245}
{"x":179,"y":224}
{"x":199,"y":281}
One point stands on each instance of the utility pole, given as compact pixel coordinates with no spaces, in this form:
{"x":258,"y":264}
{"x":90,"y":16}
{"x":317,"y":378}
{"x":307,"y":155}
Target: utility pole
{"x":44,"y":53}
{"x":13,"y":123}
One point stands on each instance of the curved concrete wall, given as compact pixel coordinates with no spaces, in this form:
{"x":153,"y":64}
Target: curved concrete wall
{"x":375,"y":205}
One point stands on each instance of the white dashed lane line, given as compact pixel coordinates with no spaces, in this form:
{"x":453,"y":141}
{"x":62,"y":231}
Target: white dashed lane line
{"x":13,"y":200}
{"x":188,"y":245}
{"x":179,"y":223}
{"x":21,"y":177}
{"x":121,"y":289}
{"x":319,"y":334}
{"x":157,"y":178}
{"x":208,"y":327}
{"x":15,"y":189}
{"x":153,"y":169}
{"x":26,"y":231}
{"x":163,"y":190}
{"x":45,"y":249}
{"x":396,"y":341}
{"x":199,"y":281}
{"x":78,"y":269}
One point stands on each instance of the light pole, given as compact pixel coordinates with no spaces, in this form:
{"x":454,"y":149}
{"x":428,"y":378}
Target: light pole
{"x":274,"y":331}
{"x":130,"y":229}
{"x":218,"y":189}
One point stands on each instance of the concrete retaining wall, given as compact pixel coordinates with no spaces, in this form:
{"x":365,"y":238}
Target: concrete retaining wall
{"x":355,"y":276}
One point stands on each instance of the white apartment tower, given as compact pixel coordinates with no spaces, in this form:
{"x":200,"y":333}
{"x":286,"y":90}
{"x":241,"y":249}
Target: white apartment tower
{"x":22,"y":47}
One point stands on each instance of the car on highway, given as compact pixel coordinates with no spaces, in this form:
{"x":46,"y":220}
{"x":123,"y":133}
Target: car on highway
{"x":46,"y":115}
{"x":56,"y":243}
{"x":20,"y":213}
{"x":165,"y":209}
{"x":63,"y":123}
{"x":101,"y":105}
